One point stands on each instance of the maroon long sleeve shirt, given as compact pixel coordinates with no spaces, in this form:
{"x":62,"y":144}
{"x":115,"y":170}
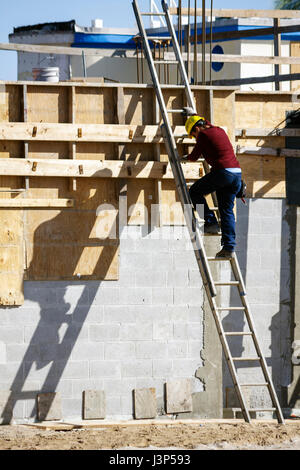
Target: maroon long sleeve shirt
{"x":214,"y":145}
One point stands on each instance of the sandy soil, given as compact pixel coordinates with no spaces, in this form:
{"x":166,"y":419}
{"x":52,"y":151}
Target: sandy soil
{"x":205,"y":436}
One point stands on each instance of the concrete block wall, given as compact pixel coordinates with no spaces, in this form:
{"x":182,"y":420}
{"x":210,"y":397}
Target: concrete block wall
{"x":147,"y":327}
{"x":114,"y":336}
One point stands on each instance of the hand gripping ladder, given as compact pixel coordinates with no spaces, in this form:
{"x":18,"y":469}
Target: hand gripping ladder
{"x":194,"y":227}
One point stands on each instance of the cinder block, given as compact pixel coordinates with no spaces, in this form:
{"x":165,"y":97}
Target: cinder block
{"x":188,"y":296}
{"x":106,"y":296}
{"x":162,"y":368}
{"x":177,"y":349}
{"x":144,"y":403}
{"x":149,"y":349}
{"x":162,"y":296}
{"x":136,"y":331}
{"x":49,"y":406}
{"x":136,"y":296}
{"x":104,"y":332}
{"x":88,"y":350}
{"x":3,"y":358}
{"x":10,"y":334}
{"x":163,"y":261}
{"x":177,"y":278}
{"x":185,"y":367}
{"x":136,"y":261}
{"x":102,"y":369}
{"x":138,"y":368}
{"x":151,"y":278}
{"x":179,"y":396}
{"x":6,"y":407}
{"x":162,"y":331}
{"x":94,"y":406}
{"x":120,"y":313}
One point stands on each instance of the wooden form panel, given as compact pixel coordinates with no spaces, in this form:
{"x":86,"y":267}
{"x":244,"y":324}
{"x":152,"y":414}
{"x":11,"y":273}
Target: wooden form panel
{"x":73,"y":243}
{"x":264,"y":167}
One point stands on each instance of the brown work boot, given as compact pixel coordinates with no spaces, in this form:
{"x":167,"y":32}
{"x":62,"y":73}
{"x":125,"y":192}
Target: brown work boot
{"x":225,"y":253}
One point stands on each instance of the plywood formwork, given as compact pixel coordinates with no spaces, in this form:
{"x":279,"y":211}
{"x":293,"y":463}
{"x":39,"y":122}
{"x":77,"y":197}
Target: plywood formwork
{"x":69,"y":148}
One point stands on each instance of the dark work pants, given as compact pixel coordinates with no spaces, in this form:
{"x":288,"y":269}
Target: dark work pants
{"x":226,"y":185}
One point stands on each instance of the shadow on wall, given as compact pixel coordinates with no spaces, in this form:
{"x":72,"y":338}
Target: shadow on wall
{"x":45,"y":345}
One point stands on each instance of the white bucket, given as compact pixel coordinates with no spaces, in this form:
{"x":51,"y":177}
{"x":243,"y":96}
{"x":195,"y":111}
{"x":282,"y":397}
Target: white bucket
{"x":46,"y":74}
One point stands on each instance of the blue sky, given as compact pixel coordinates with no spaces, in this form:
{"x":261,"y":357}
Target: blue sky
{"x":115,"y":13}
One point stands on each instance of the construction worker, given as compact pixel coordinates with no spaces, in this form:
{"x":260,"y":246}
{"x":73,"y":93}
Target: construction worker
{"x":213,"y":144}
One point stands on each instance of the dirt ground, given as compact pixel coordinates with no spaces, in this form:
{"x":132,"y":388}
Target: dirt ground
{"x":205,"y":436}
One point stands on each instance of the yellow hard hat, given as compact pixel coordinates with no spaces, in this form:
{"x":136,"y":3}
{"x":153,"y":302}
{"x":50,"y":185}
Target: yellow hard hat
{"x":190,"y":122}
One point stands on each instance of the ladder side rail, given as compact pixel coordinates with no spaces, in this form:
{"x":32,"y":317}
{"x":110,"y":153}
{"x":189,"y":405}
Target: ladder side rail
{"x":238,"y":275}
{"x":188,"y":91}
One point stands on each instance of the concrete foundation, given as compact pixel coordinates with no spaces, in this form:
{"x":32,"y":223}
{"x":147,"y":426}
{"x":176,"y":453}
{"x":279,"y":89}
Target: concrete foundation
{"x":147,"y":328}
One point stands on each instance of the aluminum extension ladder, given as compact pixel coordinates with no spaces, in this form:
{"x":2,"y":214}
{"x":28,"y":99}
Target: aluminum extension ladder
{"x":194,"y":227}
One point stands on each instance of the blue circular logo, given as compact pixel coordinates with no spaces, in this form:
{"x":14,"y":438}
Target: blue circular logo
{"x":217,"y":66}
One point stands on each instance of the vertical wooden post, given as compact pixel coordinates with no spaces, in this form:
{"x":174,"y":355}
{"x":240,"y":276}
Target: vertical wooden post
{"x":25,"y":118}
{"x":120,"y":119}
{"x":158,"y":184}
{"x":277,"y":52}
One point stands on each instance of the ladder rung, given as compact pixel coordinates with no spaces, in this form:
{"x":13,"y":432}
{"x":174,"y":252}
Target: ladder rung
{"x":246,"y":359}
{"x":255,"y":385}
{"x":218,"y":259}
{"x":238,"y":333}
{"x":227,"y":283}
{"x":174,"y":110}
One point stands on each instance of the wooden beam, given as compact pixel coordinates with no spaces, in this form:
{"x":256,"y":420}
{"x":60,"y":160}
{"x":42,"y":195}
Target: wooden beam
{"x":50,"y":49}
{"x":94,"y":168}
{"x":267,"y":133}
{"x":26,"y":203}
{"x":272,"y":152}
{"x":226,"y":13}
{"x":88,"y":133}
{"x":250,"y":59}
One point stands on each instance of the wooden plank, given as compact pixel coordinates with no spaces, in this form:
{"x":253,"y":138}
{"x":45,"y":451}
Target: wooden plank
{"x":88,"y":133}
{"x":96,"y":169}
{"x":179,"y":396}
{"x":251,"y":80}
{"x":249,"y":33}
{"x":94,"y":404}
{"x":38,"y":49}
{"x":244,"y":59}
{"x":282,"y":132}
{"x":260,"y":151}
{"x":11,"y":257}
{"x":295,"y":69}
{"x":277,"y":52}
{"x":25,"y":203}
{"x":247,"y":13}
